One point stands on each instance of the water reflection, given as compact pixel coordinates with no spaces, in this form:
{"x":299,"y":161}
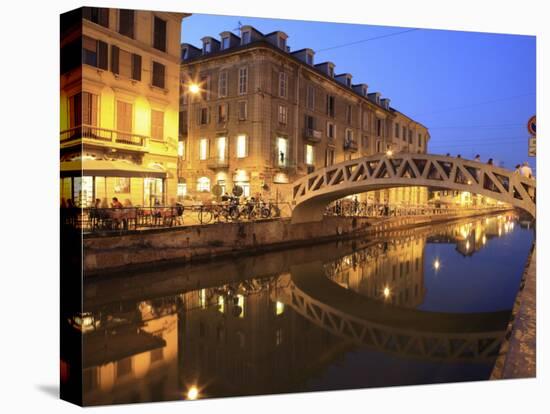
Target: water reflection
{"x":299,"y":320}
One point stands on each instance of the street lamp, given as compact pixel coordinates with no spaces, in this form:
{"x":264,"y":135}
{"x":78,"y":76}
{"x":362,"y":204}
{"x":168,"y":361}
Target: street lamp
{"x":389,"y":152}
{"x":193,"y":88}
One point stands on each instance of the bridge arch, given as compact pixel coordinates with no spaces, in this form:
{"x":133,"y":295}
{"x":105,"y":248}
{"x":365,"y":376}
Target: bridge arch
{"x":313,"y":192}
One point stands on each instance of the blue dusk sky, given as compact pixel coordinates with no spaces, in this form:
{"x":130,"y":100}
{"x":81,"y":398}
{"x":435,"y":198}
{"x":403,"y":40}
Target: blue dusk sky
{"x":474,"y":91}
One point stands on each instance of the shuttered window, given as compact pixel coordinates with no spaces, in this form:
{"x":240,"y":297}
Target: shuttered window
{"x":94,"y":52}
{"x":159,"y":36}
{"x":157,"y":125}
{"x":98,"y":15}
{"x":158,"y":75}
{"x":136,"y":67}
{"x":125,"y":63}
{"x":83,"y":109}
{"x":126,"y":22}
{"x":124,"y":116}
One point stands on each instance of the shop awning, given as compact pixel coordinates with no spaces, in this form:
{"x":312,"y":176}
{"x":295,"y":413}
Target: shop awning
{"x":104,"y":168}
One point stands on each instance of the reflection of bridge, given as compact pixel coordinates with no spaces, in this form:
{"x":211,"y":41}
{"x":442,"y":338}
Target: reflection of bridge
{"x":409,"y":332}
{"x":312,"y":193}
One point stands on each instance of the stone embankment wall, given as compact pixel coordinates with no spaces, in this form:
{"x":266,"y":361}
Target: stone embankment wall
{"x":114,"y":252}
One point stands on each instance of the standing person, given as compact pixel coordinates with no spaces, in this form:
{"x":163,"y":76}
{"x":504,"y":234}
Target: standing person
{"x":355,"y":205}
{"x":477,"y":158}
{"x":518,"y":169}
{"x":526,"y":171}
{"x":490,"y":161}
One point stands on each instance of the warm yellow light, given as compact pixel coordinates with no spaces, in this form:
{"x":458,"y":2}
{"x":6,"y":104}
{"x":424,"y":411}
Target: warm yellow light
{"x":386,"y":292}
{"x":437,"y":264}
{"x":468,"y":245}
{"x":469,"y":182}
{"x":389,"y":153}
{"x":193,"y":393}
{"x":194,"y":88}
{"x":279,"y":308}
{"x":484,"y":239}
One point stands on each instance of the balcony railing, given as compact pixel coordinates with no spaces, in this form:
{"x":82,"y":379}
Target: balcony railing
{"x":93,"y":133}
{"x":313,"y":135}
{"x":350,"y":146}
{"x":215,"y":163}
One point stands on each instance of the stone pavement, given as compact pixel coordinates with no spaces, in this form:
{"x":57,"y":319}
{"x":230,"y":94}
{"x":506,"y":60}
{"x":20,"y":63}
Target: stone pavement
{"x":518,"y":353}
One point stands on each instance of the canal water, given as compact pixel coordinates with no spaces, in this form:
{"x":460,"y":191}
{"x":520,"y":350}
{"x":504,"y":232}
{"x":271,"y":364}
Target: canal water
{"x":420,"y":307}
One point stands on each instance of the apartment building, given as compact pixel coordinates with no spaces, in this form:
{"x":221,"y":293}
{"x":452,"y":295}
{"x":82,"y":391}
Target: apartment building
{"x":258,"y":115}
{"x":119,"y":105}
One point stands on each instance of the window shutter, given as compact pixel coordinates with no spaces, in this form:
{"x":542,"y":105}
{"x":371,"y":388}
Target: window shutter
{"x":114,"y":59}
{"x":104,"y":17}
{"x":136,"y":67}
{"x":102,"y":52}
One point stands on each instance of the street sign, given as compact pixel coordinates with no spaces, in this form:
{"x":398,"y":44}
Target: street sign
{"x":532,"y":151}
{"x":532,"y":125}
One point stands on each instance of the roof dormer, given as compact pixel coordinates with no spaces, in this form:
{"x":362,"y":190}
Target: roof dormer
{"x":189,"y":51}
{"x":361,"y":89}
{"x":327,"y":68}
{"x":344,"y":79}
{"x":374,"y":97}
{"x":229,"y":40}
{"x":278,"y":39}
{"x":305,"y":55}
{"x":250,"y":34}
{"x":209,"y":45}
{"x":385,"y":102}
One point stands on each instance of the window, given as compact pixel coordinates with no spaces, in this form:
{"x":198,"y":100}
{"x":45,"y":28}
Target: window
{"x":309,"y":58}
{"x":225,"y":42}
{"x":122,"y":185}
{"x":310,"y":97}
{"x":98,"y":15}
{"x":282,"y":43}
{"x":125,"y":63}
{"x":123,"y":367}
{"x":203,"y":116}
{"x":203,"y":184}
{"x":331,"y":130}
{"x":222,"y":113}
{"x":83,"y":109}
{"x":221,"y":148}
{"x":283,"y":84}
{"x":378,"y":127}
{"x":94,"y":52}
{"x":126,"y":22}
{"x":365,"y":142}
{"x":310,"y":122}
{"x":205,"y":83}
{"x":282,"y":151}
{"x":158,"y":75}
{"x":365,"y":120}
{"x":349,"y":136}
{"x":181,"y":149}
{"x":419,"y":140}
{"x":396,"y":130}
{"x":157,"y":125}
{"x":203,"y":149}
{"x":243,"y":110}
{"x":184,"y":53}
{"x":330,"y":105}
{"x":410,"y":136}
{"x":243,"y":81}
{"x":283,"y":114}
{"x":378,"y":146}
{"x":245,"y":37}
{"x":159,"y":34}
{"x":207,"y":47}
{"x":309,"y":154}
{"x":331,"y":71}
{"x":349,"y":114}
{"x":182,"y":128}
{"x":124,"y":116}
{"x":348,"y":82}
{"x":404,"y":130}
{"x":222,"y":84}
{"x":329,"y":157}
{"x":242,"y":148}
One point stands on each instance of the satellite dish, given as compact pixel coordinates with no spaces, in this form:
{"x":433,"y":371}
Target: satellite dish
{"x":237,"y":191}
{"x":217,"y":190}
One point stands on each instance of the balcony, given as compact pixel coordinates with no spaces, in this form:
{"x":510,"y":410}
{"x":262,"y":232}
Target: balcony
{"x":313,"y":135}
{"x":216,"y":163}
{"x":101,"y":137}
{"x":351,"y":146}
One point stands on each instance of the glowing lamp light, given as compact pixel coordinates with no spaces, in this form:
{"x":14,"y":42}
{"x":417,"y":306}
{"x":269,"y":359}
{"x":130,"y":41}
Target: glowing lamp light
{"x":469,"y":182}
{"x":437,"y":264}
{"x":386,"y":292}
{"x":484,"y":239}
{"x":194,"y":88}
{"x":468,"y":245}
{"x":389,"y":153}
{"x":193,"y":393}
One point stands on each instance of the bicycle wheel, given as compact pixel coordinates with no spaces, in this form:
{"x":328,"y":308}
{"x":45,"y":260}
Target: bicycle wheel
{"x":205,"y":216}
{"x":265,"y":212}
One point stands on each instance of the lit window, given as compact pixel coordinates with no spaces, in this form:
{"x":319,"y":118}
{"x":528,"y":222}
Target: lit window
{"x":203,"y":148}
{"x":279,"y":308}
{"x":203,"y":184}
{"x":221,"y":304}
{"x":181,"y":190}
{"x":240,"y":303}
{"x":282,"y":151}
{"x":221,"y":147}
{"x":243,"y":81}
{"x":310,"y":159}
{"x":241,"y":146}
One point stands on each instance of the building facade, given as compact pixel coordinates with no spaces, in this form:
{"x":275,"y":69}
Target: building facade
{"x":119,"y":105}
{"x":263,"y":116}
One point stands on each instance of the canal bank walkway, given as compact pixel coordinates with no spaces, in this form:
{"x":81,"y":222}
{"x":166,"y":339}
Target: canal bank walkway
{"x":518,"y":353}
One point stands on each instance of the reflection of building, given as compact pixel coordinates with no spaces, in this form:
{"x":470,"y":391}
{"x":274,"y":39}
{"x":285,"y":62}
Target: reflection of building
{"x":265,"y":115}
{"x":390,"y":272}
{"x":461,"y":199}
{"x":119,"y":104}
